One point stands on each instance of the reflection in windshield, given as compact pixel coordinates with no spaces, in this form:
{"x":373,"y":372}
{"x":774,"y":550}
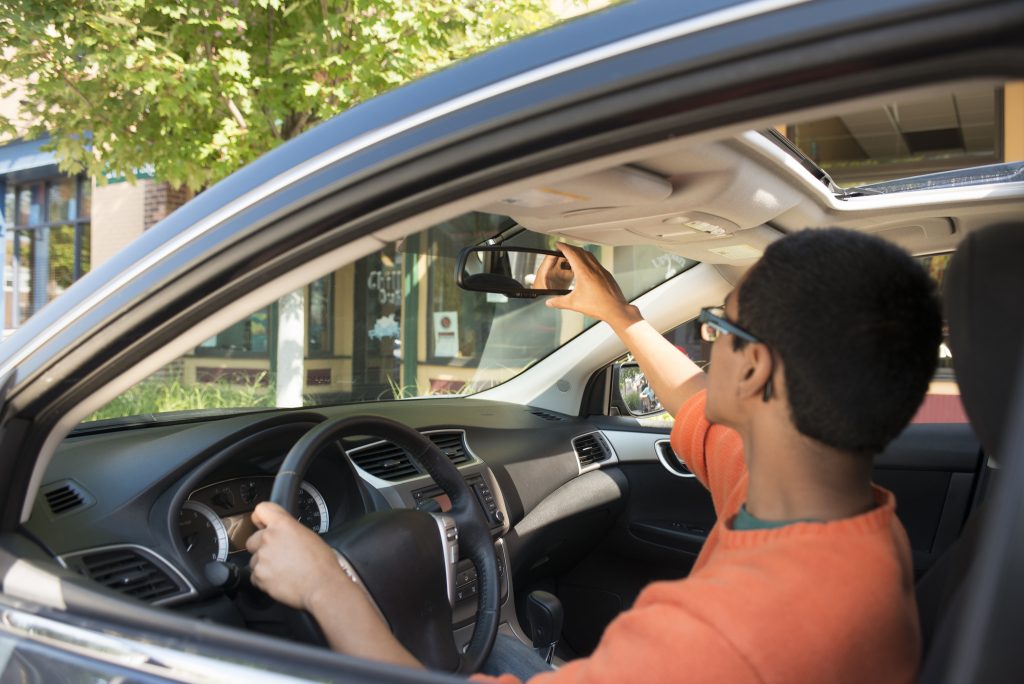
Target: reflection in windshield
{"x":392,"y":325}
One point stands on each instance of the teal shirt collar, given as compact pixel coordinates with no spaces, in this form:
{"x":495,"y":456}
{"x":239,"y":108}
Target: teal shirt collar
{"x":745,"y":521}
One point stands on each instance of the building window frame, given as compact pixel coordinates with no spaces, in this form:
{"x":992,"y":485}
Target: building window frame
{"x":80,"y":223}
{"x":326,"y":348}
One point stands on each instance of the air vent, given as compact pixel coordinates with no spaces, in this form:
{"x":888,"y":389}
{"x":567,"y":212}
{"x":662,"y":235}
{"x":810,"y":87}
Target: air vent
{"x":549,"y":416}
{"x":385,"y":460}
{"x":128,"y":571}
{"x":591,"y":448}
{"x":66,"y":496}
{"x":452,"y":445}
{"x":391,"y":462}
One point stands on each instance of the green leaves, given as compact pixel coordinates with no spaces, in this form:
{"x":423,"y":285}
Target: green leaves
{"x":200,"y":88}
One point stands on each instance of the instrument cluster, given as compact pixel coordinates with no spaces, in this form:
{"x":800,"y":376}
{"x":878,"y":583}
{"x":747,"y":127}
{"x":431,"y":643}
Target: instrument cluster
{"x":216,"y":520}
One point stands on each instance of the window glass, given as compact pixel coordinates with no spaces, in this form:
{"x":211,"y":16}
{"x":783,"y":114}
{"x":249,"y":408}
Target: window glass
{"x":9,"y":281}
{"x":955,"y":129}
{"x":63,"y":198}
{"x":61,"y":259}
{"x":391,"y":325}
{"x":942,"y":402}
{"x":84,"y":250}
{"x":85,"y":211}
{"x":320,"y":313}
{"x":52,"y":245}
{"x":247,"y":337}
{"x":9,"y":205}
{"x":23,"y":276}
{"x":30,"y":205}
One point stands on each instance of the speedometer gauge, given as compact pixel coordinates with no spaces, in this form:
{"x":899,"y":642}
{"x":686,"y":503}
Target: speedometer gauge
{"x":312,"y":509}
{"x":203,"y":534}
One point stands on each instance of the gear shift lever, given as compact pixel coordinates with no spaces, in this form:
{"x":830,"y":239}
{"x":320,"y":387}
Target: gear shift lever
{"x":545,"y":613}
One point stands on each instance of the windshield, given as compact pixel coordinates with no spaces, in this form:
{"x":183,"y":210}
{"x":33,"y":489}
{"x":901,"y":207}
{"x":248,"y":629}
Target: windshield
{"x":392,"y":325}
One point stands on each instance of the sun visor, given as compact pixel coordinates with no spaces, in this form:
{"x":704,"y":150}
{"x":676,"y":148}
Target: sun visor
{"x":596,"y":192}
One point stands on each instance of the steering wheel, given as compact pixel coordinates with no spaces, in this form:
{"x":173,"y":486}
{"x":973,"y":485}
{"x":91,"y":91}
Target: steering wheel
{"x":406,"y":558}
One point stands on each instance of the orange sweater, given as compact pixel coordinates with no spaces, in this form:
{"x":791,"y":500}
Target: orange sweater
{"x":809,"y":602}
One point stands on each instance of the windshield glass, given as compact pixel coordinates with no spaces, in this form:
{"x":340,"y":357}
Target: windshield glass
{"x":392,"y":325}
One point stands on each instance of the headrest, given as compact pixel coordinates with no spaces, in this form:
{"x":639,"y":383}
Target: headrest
{"x":984,"y":289}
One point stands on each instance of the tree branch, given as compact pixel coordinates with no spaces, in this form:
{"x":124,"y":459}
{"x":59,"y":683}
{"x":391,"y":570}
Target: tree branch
{"x":236,"y":113}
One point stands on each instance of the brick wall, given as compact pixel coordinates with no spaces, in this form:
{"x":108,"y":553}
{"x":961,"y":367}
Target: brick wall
{"x":160,"y":201}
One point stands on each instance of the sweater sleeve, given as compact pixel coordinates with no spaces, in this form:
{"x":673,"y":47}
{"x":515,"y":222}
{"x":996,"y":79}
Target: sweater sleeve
{"x":714,"y":453}
{"x":655,"y":642}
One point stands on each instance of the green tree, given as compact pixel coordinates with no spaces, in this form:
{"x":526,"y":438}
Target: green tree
{"x":200,"y":88}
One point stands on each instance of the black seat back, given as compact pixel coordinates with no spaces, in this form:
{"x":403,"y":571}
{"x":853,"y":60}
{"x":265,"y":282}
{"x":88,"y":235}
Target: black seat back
{"x":984,"y":285}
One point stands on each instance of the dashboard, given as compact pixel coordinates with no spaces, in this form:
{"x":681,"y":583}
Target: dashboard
{"x":144,"y":511}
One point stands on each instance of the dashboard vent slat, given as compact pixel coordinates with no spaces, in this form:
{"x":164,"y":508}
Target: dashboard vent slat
{"x":384,"y":460}
{"x":452,"y":445}
{"x":547,"y":415}
{"x":591,"y":448}
{"x":390,"y":462}
{"x":129,"y":572}
{"x":66,"y":496}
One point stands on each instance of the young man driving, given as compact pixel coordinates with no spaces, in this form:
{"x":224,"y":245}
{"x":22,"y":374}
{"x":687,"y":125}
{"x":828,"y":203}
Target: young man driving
{"x":819,"y":357}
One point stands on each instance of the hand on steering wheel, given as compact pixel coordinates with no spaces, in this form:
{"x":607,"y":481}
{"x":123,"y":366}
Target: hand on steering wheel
{"x":404,"y":557}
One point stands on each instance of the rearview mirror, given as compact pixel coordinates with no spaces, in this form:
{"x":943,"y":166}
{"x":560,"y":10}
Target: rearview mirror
{"x":514,"y":271}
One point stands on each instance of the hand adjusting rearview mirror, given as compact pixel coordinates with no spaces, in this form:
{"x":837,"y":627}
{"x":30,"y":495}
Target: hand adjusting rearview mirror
{"x":519,"y":272}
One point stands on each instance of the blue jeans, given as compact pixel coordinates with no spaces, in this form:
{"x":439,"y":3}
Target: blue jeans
{"x":511,"y":656}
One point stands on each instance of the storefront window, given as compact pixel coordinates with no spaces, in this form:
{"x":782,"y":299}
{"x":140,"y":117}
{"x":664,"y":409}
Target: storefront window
{"x":319,"y":316}
{"x":377,"y":349}
{"x":48,"y":246}
{"x":63,"y":197}
{"x":459,"y":322}
{"x":250,"y":337}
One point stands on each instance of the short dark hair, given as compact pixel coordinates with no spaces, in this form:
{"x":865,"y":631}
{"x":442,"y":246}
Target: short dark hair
{"x":857,"y":324}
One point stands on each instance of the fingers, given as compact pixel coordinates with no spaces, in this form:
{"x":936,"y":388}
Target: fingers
{"x":540,"y":281}
{"x":266,"y":512}
{"x":595,"y":294}
{"x":559,"y":302}
{"x":252,"y":544}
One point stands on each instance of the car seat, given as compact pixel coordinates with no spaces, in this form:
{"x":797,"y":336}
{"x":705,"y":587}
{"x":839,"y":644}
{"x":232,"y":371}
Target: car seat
{"x":983,"y":286}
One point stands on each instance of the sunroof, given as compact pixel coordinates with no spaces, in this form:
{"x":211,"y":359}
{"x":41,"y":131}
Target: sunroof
{"x":1012,"y":172}
{"x":922,"y":133}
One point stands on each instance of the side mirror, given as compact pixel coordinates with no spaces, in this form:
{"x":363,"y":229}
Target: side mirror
{"x":518,"y":272}
{"x":635,"y":392}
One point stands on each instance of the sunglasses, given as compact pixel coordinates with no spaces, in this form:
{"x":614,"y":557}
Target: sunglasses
{"x":714,"y":323}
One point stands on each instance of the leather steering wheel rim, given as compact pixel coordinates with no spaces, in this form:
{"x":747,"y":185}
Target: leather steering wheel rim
{"x":474,"y":535}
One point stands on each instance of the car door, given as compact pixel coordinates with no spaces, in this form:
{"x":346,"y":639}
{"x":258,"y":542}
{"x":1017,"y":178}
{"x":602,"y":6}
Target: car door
{"x":635,"y":74}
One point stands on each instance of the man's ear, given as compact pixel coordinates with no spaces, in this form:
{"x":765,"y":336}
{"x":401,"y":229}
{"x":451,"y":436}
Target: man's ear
{"x":756,"y":371}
